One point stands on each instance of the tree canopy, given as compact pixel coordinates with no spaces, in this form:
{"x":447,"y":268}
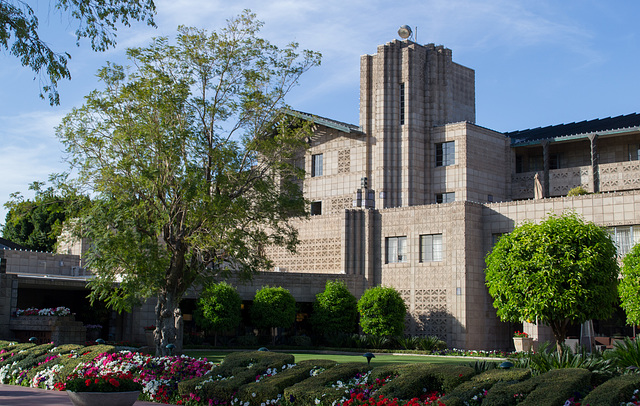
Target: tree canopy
{"x":219,"y":308}
{"x":191,"y":164}
{"x":382,"y":311}
{"x":97,"y":20}
{"x":335,"y":309}
{"x":563,"y":270}
{"x":629,"y":288}
{"x":273,"y":307}
{"x":36,"y":224}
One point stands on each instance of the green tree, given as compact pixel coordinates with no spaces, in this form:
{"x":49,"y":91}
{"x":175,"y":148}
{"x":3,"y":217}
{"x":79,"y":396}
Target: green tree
{"x":561,"y":271}
{"x":36,"y":224}
{"x":335,"y":309}
{"x":629,"y":287}
{"x":190,"y":163}
{"x":382,"y":311}
{"x":273,"y":307}
{"x":219,"y":308}
{"x":97,"y":21}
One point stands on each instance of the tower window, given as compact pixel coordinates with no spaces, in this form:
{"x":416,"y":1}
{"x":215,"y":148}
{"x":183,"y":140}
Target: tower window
{"x":316,"y":165}
{"x":316,"y":208}
{"x":396,"y":249}
{"x":402,"y":110}
{"x":431,"y":248}
{"x":447,"y":197}
{"x":446,"y":153}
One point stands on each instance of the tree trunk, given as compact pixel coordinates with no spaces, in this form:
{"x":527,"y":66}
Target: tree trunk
{"x":559,"y":329}
{"x":168,"y":325}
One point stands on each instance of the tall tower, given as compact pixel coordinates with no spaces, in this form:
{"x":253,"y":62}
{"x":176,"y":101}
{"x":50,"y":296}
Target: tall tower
{"x":405,"y":90}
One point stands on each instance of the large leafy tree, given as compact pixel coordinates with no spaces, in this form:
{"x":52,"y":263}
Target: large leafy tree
{"x":629,"y":288}
{"x":335,"y":309}
{"x":190,"y":163}
{"x":382,"y":311}
{"x":561,"y":271}
{"x":97,"y":20}
{"x":36,"y":224}
{"x":219,"y":308}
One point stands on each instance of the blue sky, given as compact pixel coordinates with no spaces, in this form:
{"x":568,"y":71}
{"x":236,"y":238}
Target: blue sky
{"x":537,"y":63}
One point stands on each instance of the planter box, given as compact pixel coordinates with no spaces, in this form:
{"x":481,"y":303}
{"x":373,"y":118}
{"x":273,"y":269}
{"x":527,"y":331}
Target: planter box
{"x":523,"y":344}
{"x":103,"y":398}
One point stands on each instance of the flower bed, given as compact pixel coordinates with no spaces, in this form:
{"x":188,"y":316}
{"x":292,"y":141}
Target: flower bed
{"x":269,"y":378}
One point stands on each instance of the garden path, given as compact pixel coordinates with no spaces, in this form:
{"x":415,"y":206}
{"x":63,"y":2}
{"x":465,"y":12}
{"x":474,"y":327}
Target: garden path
{"x":13,"y":395}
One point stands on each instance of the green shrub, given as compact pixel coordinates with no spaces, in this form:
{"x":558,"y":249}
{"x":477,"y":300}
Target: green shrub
{"x":614,"y":392}
{"x":219,"y":307}
{"x":319,"y":386}
{"x":38,"y":366}
{"x":382,"y":311}
{"x":478,"y":384}
{"x":547,"y":359}
{"x":431,"y":343}
{"x":408,"y":342}
{"x":625,"y":353}
{"x":550,"y":389}
{"x":414,"y":379}
{"x":269,"y":388}
{"x":238,"y":368}
{"x":300,"y":341}
{"x":273,"y":307}
{"x":340,"y":340}
{"x":335,"y":309}
{"x":23,"y":361}
{"x":577,"y":191}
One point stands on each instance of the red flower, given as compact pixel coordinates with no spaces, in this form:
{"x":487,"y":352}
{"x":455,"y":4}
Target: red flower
{"x":114,"y":382}
{"x":87,"y":382}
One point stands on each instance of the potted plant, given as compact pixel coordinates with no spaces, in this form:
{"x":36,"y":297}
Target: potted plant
{"x":112,"y":389}
{"x":522,"y":341}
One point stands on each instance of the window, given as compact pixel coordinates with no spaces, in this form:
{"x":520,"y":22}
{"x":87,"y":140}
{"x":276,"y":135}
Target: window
{"x":401,"y":103}
{"x":634,"y":152}
{"x":519,"y":164}
{"x":396,"y":249}
{"x":316,"y":165}
{"x":445,"y":197}
{"x":554,"y":161}
{"x":446,"y":153}
{"x":625,"y":237}
{"x":431,"y":248}
{"x":316,"y":208}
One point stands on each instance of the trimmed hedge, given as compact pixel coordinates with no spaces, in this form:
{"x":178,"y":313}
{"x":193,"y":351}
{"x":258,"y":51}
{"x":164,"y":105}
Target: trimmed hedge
{"x":17,"y":355}
{"x":550,"y":389}
{"x":257,"y":393}
{"x":237,"y":369}
{"x":477,"y":385}
{"x":614,"y":391}
{"x":38,"y":363}
{"x":320,"y":386}
{"x":414,"y":379}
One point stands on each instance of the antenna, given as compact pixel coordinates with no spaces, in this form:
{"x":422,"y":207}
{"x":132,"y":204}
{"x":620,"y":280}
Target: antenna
{"x":405,"y":32}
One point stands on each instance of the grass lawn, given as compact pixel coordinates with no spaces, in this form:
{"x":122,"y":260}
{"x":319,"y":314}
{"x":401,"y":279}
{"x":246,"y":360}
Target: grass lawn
{"x":382,"y":359}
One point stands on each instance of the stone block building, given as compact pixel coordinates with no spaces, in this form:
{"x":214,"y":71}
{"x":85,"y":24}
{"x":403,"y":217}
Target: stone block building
{"x":416,"y":195}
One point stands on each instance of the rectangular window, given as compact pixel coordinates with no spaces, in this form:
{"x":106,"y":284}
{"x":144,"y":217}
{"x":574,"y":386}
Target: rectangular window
{"x":396,"y":249}
{"x":316,"y":165}
{"x":401,"y":103}
{"x":554,"y":161}
{"x":536,"y":163}
{"x":446,"y":153}
{"x":431,"y":248}
{"x":625,"y":237}
{"x":634,"y":152}
{"x":445,"y":197}
{"x":519,"y":164}
{"x":316,"y":208}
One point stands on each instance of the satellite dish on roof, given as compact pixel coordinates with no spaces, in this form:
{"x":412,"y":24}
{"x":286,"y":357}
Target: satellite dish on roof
{"x":405,"y":32}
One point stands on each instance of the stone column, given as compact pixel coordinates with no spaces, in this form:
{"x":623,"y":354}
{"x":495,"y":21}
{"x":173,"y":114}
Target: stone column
{"x":545,"y":161}
{"x":593,"y":139}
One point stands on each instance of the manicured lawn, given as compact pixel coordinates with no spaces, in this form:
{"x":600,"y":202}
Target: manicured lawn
{"x":382,"y":359}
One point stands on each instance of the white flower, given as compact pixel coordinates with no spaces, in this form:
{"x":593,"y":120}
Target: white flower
{"x":317,"y":401}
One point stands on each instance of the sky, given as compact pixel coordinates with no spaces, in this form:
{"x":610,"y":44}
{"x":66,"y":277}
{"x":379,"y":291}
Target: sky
{"x":537,"y":63}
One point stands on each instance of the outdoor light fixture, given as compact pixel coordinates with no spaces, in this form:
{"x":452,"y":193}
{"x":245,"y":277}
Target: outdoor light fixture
{"x":368,"y":356}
